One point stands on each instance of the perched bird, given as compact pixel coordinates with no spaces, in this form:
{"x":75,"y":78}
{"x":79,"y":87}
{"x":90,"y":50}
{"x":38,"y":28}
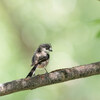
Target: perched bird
{"x":40,"y":58}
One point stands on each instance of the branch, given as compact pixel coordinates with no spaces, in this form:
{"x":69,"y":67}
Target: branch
{"x":53,"y":77}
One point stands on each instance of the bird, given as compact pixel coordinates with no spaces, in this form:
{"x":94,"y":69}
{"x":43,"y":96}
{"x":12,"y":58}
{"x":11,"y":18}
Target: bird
{"x":40,"y":58}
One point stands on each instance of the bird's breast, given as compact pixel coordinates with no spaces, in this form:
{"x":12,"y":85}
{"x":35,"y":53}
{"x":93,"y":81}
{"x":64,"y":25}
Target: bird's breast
{"x":43,"y":64}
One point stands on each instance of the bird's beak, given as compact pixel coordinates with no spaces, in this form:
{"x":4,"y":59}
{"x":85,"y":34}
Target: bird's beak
{"x":50,"y":49}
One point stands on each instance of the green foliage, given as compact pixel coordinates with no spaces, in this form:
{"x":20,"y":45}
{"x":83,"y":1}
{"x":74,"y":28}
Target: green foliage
{"x":73,"y":29}
{"x":98,"y":34}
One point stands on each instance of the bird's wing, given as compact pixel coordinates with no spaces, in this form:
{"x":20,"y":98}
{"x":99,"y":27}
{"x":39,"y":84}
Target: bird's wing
{"x":37,"y":59}
{"x":43,"y":58}
{"x":33,"y":60}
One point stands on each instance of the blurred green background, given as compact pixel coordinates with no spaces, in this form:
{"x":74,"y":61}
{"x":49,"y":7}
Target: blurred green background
{"x":73,"y":29}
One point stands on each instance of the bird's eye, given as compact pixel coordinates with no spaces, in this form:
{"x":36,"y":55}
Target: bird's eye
{"x":47,"y":48}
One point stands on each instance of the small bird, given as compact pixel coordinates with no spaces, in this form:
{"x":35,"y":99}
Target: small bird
{"x":40,"y":58}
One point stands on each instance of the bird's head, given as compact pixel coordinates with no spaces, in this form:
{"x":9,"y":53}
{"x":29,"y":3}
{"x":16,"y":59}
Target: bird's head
{"x":46,"y":47}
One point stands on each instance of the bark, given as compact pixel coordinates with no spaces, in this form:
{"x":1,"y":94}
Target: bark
{"x":53,"y":77}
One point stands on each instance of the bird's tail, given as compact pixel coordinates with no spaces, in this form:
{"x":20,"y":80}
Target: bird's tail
{"x":32,"y":71}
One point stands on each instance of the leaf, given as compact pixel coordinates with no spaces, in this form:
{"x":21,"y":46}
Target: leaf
{"x":98,"y":34}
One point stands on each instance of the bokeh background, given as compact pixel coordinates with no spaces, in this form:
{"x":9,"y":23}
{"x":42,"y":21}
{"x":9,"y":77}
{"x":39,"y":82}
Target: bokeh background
{"x":73,"y":29}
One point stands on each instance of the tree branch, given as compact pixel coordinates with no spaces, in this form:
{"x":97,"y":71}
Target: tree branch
{"x":53,"y":77}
